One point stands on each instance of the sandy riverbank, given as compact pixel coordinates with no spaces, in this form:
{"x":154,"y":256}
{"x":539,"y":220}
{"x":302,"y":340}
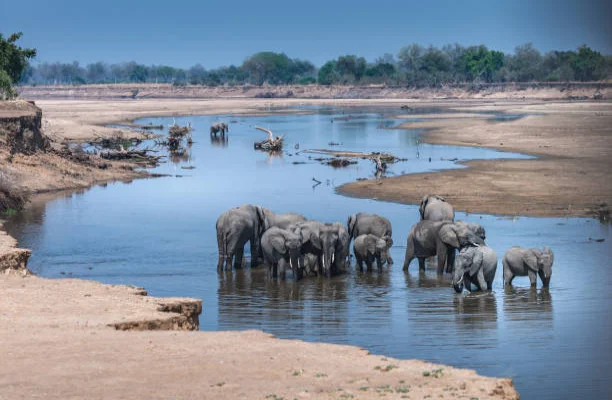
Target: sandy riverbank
{"x":571,"y":177}
{"x":60,"y":342}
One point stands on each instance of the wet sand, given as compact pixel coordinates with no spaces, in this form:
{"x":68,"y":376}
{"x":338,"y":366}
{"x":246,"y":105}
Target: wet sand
{"x":571,"y":177}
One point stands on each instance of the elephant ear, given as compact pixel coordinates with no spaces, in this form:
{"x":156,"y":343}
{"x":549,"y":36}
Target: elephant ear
{"x":530,"y":258}
{"x":261,"y":218}
{"x":449,"y":236}
{"x":477,"y":260}
{"x":423,"y":205}
{"x":350,"y":224}
{"x":388,"y":240}
{"x":278,"y":242}
{"x":315,"y":240}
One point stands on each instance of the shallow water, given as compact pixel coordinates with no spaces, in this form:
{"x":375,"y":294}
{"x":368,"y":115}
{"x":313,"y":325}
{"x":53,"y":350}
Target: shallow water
{"x":160,"y":234}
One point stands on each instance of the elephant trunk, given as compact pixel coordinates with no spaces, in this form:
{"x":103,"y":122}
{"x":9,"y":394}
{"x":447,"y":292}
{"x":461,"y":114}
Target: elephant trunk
{"x":458,"y":285}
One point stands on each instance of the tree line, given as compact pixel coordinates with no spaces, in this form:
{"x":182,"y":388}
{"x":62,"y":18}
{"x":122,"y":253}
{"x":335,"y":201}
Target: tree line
{"x":413,"y":66}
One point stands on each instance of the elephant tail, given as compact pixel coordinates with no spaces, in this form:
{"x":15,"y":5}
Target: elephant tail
{"x":221,"y":243}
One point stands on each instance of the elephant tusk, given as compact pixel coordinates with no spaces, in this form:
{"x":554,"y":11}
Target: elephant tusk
{"x":290,"y":263}
{"x":461,"y":280}
{"x":475,"y":245}
{"x":333,"y":256}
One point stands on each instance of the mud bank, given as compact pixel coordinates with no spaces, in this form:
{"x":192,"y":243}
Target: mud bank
{"x":571,"y":177}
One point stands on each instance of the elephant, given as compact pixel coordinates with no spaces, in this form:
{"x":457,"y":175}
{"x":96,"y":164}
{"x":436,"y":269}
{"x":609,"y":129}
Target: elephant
{"x":436,"y":208}
{"x":475,"y":264}
{"x":371,"y":248}
{"x":281,"y":246}
{"x":364,"y":223}
{"x":521,"y":262}
{"x":283,"y":221}
{"x":327,"y":242}
{"x":335,"y":242}
{"x":441,"y":238}
{"x":219,"y":127}
{"x":235,"y":227}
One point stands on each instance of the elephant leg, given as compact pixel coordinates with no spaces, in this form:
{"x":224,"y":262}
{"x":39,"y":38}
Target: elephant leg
{"x":359,"y":263}
{"x":238,"y":257}
{"x":409,"y":254}
{"x":482,"y":284}
{"x":281,"y":269}
{"x":533,"y":278}
{"x":389,"y":260}
{"x":228,"y":261}
{"x":421,"y":264}
{"x":255,"y":252}
{"x":379,"y":265}
{"x":467,"y":282}
{"x":441,"y":261}
{"x":508,"y":275}
{"x":450,"y":260}
{"x":490,"y":286}
{"x":369,"y":263}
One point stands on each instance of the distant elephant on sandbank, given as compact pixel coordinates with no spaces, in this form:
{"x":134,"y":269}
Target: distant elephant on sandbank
{"x":519,"y":261}
{"x":436,"y":208}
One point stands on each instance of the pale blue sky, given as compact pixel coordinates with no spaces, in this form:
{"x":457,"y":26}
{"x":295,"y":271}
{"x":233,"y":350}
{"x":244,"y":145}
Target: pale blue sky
{"x":214,"y":33}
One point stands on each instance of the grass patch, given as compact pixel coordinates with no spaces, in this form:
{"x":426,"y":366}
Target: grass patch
{"x":320,"y":375}
{"x":385,"y":369}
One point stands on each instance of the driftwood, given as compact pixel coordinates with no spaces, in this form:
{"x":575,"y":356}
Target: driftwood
{"x":340,"y":162}
{"x":130,"y":155}
{"x":270,"y":144}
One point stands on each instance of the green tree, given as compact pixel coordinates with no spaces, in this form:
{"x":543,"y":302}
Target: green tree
{"x":589,"y":65}
{"x":328,"y":75}
{"x":268,"y":67}
{"x":351,"y":68}
{"x":13,"y":62}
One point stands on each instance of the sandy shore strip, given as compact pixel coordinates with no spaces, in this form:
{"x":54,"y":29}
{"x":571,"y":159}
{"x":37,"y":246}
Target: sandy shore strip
{"x":62,"y":339}
{"x":570,"y":178}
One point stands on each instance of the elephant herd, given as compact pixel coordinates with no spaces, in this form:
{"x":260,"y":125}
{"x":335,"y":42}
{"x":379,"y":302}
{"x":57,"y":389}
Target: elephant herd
{"x":307,"y":247}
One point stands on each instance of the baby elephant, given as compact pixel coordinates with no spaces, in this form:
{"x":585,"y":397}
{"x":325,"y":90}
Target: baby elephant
{"x":369,"y":248}
{"x":477,"y":265}
{"x":520,"y":262}
{"x":281,"y":247}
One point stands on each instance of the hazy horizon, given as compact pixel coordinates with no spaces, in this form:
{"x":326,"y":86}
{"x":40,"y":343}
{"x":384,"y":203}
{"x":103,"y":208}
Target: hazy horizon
{"x":220,"y":33}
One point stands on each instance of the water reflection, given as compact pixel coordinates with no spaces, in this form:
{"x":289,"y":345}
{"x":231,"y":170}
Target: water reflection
{"x":427,"y":279}
{"x":524,"y":304}
{"x":476,"y":311}
{"x":219,"y":141}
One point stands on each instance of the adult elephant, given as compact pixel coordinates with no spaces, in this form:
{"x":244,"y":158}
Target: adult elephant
{"x":436,"y":208}
{"x":441,"y":238}
{"x":370,"y":248}
{"x":281,"y":247}
{"x":236,"y":227}
{"x":335,"y":242}
{"x":477,"y":265}
{"x":283,"y":221}
{"x":218,"y":127}
{"x":521,"y":262}
{"x":364,"y":224}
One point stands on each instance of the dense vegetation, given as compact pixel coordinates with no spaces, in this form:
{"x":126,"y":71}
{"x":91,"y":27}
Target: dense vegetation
{"x":13,"y":63}
{"x":414,"y":65}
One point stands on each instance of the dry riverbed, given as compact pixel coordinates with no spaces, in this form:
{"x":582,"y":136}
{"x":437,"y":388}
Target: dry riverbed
{"x":64,"y":338}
